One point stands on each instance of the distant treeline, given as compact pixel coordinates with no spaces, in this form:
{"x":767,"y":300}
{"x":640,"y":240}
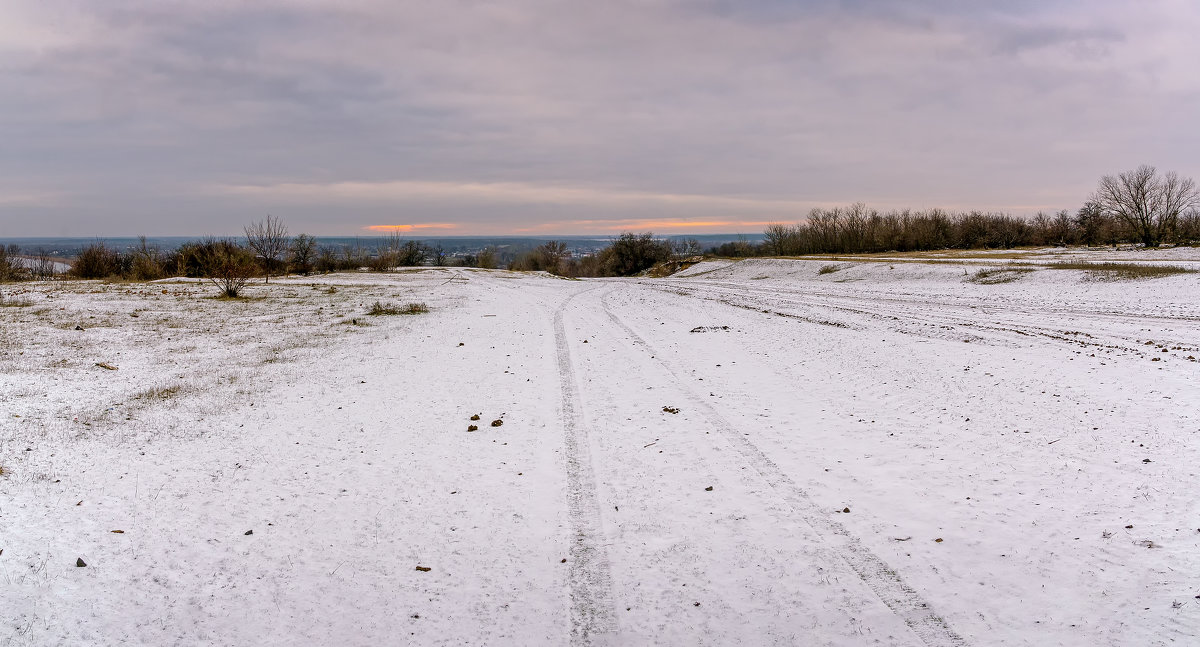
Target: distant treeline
{"x":266,"y":255}
{"x":1138,"y":206}
{"x":860,"y":229}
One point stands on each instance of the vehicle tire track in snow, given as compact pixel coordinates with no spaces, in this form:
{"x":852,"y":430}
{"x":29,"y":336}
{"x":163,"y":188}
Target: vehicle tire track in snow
{"x":885,"y":582}
{"x":588,"y":572}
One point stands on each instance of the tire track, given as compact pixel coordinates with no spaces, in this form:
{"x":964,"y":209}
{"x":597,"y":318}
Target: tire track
{"x":885,"y":582}
{"x":588,"y":574}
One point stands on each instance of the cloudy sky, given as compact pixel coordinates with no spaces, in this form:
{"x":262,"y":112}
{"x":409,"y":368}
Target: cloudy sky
{"x":457,"y":117}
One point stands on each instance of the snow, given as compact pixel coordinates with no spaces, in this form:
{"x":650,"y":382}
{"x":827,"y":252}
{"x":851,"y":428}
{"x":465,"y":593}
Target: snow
{"x":1025,"y":424}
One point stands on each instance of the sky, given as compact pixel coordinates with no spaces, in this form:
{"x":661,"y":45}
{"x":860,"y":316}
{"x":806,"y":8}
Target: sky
{"x":541,"y":117}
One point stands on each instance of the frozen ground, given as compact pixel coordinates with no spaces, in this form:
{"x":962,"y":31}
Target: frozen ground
{"x":887,"y":452}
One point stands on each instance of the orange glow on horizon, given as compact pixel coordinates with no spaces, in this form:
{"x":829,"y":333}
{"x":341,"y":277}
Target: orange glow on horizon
{"x":414,"y":227}
{"x":613,"y":226}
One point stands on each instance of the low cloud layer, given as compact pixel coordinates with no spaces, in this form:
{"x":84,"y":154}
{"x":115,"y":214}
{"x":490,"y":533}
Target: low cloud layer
{"x":564,"y":117}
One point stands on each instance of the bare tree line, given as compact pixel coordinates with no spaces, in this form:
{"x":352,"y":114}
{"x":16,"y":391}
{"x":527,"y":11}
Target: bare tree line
{"x":1139,"y":206}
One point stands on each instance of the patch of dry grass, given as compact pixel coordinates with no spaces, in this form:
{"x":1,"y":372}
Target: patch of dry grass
{"x":14,"y":302}
{"x":994,"y":276}
{"x":158,"y":393}
{"x":380,"y":308}
{"x":1122,"y":271}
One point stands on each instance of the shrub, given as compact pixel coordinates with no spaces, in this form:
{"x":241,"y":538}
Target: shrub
{"x":632,"y":253}
{"x":98,"y":261}
{"x":12,"y":268}
{"x":147,"y":262}
{"x":228,"y":265}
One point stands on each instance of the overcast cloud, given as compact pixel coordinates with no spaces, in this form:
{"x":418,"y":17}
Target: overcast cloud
{"x":192,"y":118}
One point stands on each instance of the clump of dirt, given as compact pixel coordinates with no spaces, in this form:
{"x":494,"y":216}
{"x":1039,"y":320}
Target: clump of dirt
{"x":709,"y":329}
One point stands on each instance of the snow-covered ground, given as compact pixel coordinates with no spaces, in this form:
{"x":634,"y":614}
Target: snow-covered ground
{"x":807,"y":452}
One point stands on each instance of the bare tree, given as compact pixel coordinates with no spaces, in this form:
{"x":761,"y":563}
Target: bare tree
{"x":1146,"y":202}
{"x":42,"y":266}
{"x":269,"y":240}
{"x":411,"y":254}
{"x":303,"y":253}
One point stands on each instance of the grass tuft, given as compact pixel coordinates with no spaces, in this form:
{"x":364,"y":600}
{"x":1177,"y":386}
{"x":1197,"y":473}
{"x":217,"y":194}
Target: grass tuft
{"x":380,"y":308}
{"x":158,"y":393}
{"x":828,"y":269}
{"x":993,"y":276}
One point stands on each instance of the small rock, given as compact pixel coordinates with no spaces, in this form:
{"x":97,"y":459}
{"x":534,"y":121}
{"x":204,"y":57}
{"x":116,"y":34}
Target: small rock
{"x":475,"y":417}
{"x":424,"y":569}
{"x":78,"y":327}
{"x":846,"y":510}
{"x":695,"y":604}
{"x":1145,"y":460}
{"x":79,"y":563}
{"x":1129,"y":526}
{"x":472,"y":428}
{"x":461,"y":344}
{"x":497,"y":422}
{"x":564,"y":561}
{"x":585,"y":341}
{"x":248,"y":532}
{"x":117,"y":532}
{"x":938,"y":540}
{"x":708,"y":489}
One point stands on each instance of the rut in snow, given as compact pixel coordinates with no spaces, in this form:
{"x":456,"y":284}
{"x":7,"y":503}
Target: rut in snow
{"x":588,"y":569}
{"x":893,"y":591}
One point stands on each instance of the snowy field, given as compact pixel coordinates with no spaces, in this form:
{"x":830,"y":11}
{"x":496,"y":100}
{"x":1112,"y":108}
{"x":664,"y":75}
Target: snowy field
{"x":914,"y":450}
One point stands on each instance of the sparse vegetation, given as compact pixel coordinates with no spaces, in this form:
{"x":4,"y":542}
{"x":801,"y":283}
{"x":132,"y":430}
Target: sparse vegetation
{"x":158,"y":393}
{"x":828,"y":269}
{"x":1123,"y":271}
{"x":379,"y":308}
{"x":14,"y":302}
{"x":996,"y":275}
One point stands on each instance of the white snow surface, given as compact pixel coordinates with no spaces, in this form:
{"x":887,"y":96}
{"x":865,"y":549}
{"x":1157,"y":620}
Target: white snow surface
{"x":752,"y":452}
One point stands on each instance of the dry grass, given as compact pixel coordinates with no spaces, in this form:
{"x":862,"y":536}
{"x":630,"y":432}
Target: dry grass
{"x":998,"y":275}
{"x":380,"y":308}
{"x":1122,"y":271}
{"x":828,"y":269}
{"x":14,"y":302}
{"x":158,"y":393}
